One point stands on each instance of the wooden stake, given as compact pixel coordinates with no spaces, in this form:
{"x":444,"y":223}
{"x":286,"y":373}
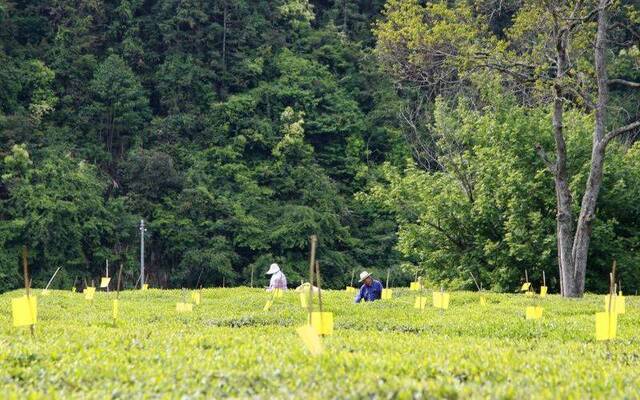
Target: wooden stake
{"x":544,"y":279}
{"x":199,"y":276}
{"x":27,"y":284}
{"x":119,"y":281}
{"x":475,"y":281}
{"x":107,"y":273}
{"x":353,"y":275}
{"x":252,"y":268}
{"x":388,"y":272}
{"x":312,"y":259}
{"x":526,"y":276}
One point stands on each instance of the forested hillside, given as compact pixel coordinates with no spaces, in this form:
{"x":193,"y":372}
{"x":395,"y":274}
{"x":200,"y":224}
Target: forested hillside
{"x":237,"y":128}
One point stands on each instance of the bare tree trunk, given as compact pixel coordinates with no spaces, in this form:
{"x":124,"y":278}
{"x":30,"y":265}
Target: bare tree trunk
{"x":564,"y":218}
{"x":594,"y":181}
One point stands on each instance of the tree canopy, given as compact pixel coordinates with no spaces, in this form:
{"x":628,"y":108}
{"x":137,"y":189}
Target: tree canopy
{"x":402,"y":133}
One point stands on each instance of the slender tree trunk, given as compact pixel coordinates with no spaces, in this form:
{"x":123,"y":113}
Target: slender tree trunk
{"x":594,"y":181}
{"x":564,"y":218}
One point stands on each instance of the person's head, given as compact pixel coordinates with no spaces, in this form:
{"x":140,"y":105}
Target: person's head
{"x":366,"y":278}
{"x":274,"y":268}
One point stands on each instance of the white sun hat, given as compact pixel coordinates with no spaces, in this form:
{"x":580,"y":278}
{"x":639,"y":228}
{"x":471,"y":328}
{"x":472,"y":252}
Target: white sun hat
{"x":364,"y":275}
{"x":273,"y":269}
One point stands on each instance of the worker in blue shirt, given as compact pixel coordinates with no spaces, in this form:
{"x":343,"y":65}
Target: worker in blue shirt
{"x":370,"y":290}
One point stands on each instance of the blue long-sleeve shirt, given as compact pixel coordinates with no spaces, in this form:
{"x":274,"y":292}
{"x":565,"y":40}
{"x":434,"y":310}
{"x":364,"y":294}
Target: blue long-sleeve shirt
{"x":370,"y":293}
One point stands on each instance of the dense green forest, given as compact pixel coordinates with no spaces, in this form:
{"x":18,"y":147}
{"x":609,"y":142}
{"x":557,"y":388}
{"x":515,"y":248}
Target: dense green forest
{"x":237,"y":128}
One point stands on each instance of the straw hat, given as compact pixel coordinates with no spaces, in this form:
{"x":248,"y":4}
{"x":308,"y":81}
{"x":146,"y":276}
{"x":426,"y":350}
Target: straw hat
{"x":364,"y":275}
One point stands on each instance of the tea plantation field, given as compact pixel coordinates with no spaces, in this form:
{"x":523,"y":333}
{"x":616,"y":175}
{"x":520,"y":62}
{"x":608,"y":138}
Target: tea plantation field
{"x":229,"y":347}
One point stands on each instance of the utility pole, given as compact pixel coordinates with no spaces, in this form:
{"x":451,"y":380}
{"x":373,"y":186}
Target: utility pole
{"x":142,"y":231}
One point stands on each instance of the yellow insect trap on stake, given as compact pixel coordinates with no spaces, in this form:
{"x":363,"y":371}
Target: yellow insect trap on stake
{"x":184,"y":307}
{"x":310,"y":339}
{"x":387,"y":294}
{"x":441,"y":300}
{"x":525,"y":286}
{"x":483,"y":301}
{"x":606,"y":325}
{"x":104,"y":282}
{"x":533,"y":312}
{"x":24,"y":310}
{"x":543,"y":291}
{"x":145,"y":286}
{"x":414,"y":286}
{"x":618,"y":305}
{"x":322,"y":322}
{"x":420,"y":303}
{"x":350,"y":289}
{"x":196,"y":297}
{"x":45,"y":292}
{"x":89,"y":293}
{"x":268,"y":305}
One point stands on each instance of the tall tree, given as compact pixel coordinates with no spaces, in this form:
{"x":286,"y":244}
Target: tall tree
{"x":545,"y":59}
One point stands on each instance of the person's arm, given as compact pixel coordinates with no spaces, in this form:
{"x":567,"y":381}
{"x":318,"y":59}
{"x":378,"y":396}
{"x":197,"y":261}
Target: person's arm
{"x":272,"y":283}
{"x":360,"y":294}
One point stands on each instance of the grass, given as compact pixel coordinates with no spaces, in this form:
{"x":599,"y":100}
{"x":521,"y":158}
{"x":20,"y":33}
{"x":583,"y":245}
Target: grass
{"x":229,"y":347}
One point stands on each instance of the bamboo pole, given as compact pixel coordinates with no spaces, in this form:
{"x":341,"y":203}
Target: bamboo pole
{"x":51,"y":280}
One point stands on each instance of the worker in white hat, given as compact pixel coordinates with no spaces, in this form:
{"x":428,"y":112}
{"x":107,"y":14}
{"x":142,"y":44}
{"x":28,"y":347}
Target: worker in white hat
{"x":370,"y":290}
{"x":278,"y":280}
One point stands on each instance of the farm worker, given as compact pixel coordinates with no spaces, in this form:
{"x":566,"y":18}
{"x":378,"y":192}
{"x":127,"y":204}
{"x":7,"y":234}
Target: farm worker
{"x":278,"y":280}
{"x":370,"y":290}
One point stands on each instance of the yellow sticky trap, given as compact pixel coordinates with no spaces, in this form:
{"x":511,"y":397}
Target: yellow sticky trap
{"x":533,"y":312}
{"x":483,"y":301}
{"x":268,"y":305}
{"x":104,"y":282}
{"x":350,"y":289}
{"x":543,"y":291}
{"x":322,"y":322}
{"x":145,"y":286}
{"x":618,"y":305}
{"x":196,"y":297}
{"x":310,"y":339}
{"x":115,"y":308}
{"x":24,"y":310}
{"x":45,"y":292}
{"x":387,"y":294}
{"x":304,"y":299}
{"x":606,"y":325}
{"x":277,"y":293}
{"x":73,"y":289}
{"x":184,"y":307}
{"x":420,"y":303}
{"x":529,"y":294}
{"x":414,"y":286}
{"x":89,"y":292}
{"x":441,"y":300}
{"x":525,"y":286}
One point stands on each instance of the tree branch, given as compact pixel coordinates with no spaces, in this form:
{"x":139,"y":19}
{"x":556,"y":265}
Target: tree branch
{"x":624,"y":83}
{"x":545,"y":159}
{"x":617,"y":132}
